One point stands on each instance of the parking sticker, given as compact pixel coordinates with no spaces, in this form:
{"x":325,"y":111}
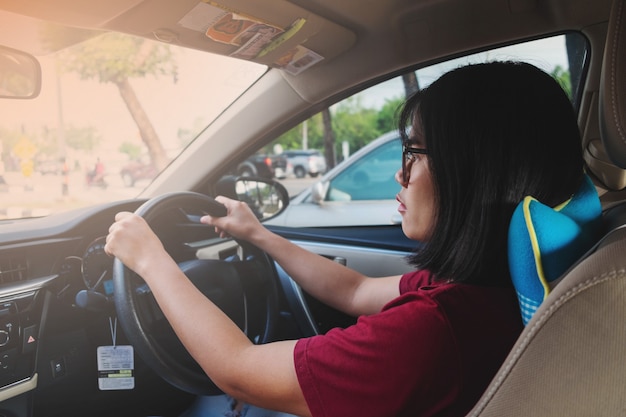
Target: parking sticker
{"x":115,"y":368}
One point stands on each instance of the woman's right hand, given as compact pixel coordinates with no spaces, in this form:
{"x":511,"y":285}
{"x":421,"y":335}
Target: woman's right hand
{"x":328,"y":281}
{"x":239,"y":222}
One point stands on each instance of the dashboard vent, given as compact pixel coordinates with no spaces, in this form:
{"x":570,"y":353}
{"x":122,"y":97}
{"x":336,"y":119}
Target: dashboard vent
{"x":12,"y":269}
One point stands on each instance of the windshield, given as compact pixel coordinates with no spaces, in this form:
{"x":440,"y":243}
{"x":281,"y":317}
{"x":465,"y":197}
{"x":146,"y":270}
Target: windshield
{"x":113,"y":111}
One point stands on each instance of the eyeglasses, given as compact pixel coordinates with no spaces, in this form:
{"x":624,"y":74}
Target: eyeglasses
{"x":409,"y":155}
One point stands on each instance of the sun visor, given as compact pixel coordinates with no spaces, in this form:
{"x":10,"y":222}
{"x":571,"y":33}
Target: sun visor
{"x":278,"y":34}
{"x":73,"y":13}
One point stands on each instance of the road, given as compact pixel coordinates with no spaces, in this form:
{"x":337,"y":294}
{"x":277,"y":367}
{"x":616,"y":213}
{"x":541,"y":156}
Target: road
{"x":41,"y":195}
{"x":295,"y":185}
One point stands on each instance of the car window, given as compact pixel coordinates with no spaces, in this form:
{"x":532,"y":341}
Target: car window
{"x":370,"y":177}
{"x":369,"y":116}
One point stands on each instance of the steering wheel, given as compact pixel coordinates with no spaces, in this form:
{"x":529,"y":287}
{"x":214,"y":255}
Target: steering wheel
{"x":244,"y":287}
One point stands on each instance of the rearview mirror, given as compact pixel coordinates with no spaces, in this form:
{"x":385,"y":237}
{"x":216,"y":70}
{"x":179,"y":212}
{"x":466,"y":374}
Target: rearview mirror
{"x":20,"y":74}
{"x":266,"y":198}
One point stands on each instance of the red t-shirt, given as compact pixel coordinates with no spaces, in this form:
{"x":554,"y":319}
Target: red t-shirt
{"x":430,"y":352}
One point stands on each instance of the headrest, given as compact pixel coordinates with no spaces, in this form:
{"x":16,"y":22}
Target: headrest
{"x":612,"y":104}
{"x":544,"y":242}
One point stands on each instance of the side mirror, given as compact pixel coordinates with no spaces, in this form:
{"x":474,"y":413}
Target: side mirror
{"x":20,"y":74}
{"x":266,"y":198}
{"x":318,"y":192}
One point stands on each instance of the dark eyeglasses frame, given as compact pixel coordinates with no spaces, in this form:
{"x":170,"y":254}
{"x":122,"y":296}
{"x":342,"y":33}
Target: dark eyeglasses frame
{"x":408,"y":157}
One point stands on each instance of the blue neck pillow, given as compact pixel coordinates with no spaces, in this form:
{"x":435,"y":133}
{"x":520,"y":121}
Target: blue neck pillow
{"x":544,"y":242}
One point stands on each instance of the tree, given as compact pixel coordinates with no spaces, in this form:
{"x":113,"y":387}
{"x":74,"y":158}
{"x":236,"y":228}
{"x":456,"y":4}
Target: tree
{"x":82,"y":138}
{"x":329,"y":139}
{"x":355,"y":124}
{"x":411,"y":84}
{"x":563,"y":78}
{"x":349,"y":121}
{"x":132,"y":150}
{"x":388,"y":115}
{"x":358,"y":125}
{"x":115,"y":59}
{"x":292,"y":139}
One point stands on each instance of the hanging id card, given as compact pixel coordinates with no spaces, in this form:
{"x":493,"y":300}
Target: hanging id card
{"x":115,"y":367}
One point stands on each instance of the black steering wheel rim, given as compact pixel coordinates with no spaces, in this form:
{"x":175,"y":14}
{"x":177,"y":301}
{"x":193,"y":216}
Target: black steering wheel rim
{"x":179,"y":369}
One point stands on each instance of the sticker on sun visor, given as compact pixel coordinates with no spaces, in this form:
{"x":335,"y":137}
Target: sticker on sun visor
{"x":298,"y":59}
{"x":222,"y":25}
{"x":250,"y":37}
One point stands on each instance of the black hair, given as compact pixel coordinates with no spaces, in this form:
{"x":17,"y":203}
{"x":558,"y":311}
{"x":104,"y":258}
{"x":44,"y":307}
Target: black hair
{"x":495,"y":133}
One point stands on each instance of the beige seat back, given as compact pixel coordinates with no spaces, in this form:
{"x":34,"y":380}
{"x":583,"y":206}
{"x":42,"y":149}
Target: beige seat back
{"x":570,"y":360}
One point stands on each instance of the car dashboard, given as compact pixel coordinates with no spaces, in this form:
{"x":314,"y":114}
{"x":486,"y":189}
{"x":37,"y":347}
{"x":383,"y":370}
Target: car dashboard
{"x":53,"y":259}
{"x":55,"y":310}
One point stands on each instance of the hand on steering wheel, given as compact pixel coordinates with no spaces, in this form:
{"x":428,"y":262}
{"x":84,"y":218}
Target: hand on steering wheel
{"x":244,"y":288}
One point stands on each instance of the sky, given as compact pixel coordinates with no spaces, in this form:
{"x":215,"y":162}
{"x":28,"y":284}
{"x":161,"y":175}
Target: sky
{"x":543,"y":53}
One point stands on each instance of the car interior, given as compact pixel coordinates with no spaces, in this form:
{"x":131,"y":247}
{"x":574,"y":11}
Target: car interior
{"x":57,"y":308}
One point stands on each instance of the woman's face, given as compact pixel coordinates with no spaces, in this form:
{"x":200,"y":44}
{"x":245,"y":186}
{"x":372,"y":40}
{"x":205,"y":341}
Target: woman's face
{"x":416,"y":197}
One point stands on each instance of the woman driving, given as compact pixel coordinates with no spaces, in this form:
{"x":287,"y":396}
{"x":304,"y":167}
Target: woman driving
{"x":482,"y":137}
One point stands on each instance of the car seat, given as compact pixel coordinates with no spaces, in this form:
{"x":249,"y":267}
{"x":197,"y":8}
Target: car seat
{"x":570,"y":359}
